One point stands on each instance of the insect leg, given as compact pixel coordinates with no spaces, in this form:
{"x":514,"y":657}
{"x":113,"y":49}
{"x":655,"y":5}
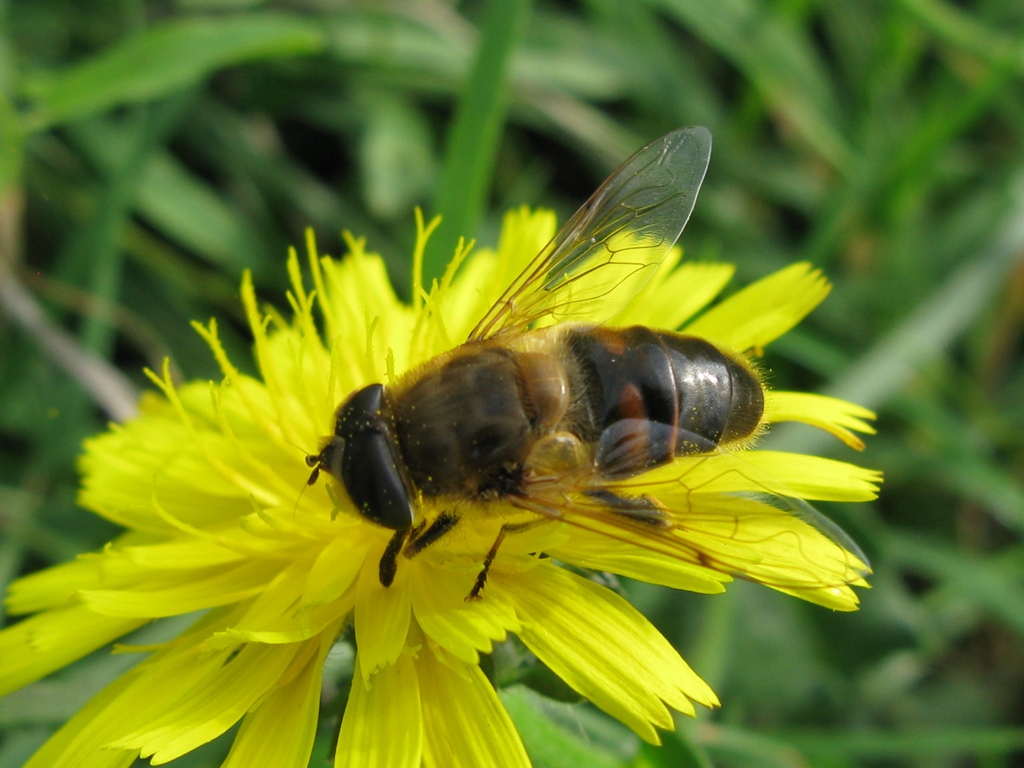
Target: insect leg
{"x":389,"y":560}
{"x":420,"y":539}
{"x":643,"y":509}
{"x":411,"y":541}
{"x":481,"y":579}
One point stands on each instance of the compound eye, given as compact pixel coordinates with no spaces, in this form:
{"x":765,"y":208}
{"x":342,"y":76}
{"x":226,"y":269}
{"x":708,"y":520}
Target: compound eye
{"x":368,"y":466}
{"x":374,"y":481}
{"x":361,"y":411}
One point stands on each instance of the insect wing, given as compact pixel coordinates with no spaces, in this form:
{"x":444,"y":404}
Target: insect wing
{"x":775,"y":540}
{"x":610,"y":248}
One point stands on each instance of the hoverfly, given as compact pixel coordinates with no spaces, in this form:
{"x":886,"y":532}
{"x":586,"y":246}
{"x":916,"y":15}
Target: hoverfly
{"x":553,"y":419}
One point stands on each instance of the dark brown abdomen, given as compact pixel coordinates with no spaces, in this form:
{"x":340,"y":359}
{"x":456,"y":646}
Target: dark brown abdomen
{"x":653,"y":395}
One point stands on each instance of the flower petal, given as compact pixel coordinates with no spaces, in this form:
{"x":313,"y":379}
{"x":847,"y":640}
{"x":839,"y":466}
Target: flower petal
{"x":603,"y":553}
{"x":278,"y":615}
{"x":831,"y":414}
{"x":483,"y":278}
{"x":38,"y":645}
{"x":287,"y":365}
{"x":59,"y":585}
{"x":673,"y":297}
{"x":334,"y":570}
{"x":465,"y":724}
{"x":382,"y":615}
{"x":279,"y":732}
{"x":136,"y":698}
{"x":811,"y":477}
{"x":791,"y":549}
{"x":777,"y":472}
{"x":462,"y":628}
{"x":215,"y":702}
{"x":383,"y":723}
{"x":604,"y":648}
{"x":171,"y":595}
{"x":190,"y":467}
{"x":364,"y":320}
{"x":762,"y":312}
{"x":84,"y":739}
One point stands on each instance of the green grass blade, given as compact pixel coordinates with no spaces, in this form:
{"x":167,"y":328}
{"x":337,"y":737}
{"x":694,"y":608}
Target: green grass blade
{"x":548,"y":744}
{"x":993,"y":583}
{"x":910,"y":745}
{"x":925,"y":333}
{"x":472,"y":144}
{"x":164,"y":59}
{"x":780,"y":62}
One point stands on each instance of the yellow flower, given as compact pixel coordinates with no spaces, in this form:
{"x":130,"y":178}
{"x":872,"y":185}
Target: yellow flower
{"x":208,"y":483}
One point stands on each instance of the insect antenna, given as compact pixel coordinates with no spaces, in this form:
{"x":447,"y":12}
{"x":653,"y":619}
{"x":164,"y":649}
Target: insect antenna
{"x":314,"y":462}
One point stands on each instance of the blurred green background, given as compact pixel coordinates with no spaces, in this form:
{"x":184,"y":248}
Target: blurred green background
{"x":149,"y":151}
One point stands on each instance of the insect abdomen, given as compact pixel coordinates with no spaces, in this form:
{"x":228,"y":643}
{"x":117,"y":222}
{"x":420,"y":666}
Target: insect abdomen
{"x":653,"y":395}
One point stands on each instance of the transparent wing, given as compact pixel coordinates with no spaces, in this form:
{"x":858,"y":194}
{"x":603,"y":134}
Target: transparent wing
{"x":776,"y":540}
{"x":612,"y":245}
